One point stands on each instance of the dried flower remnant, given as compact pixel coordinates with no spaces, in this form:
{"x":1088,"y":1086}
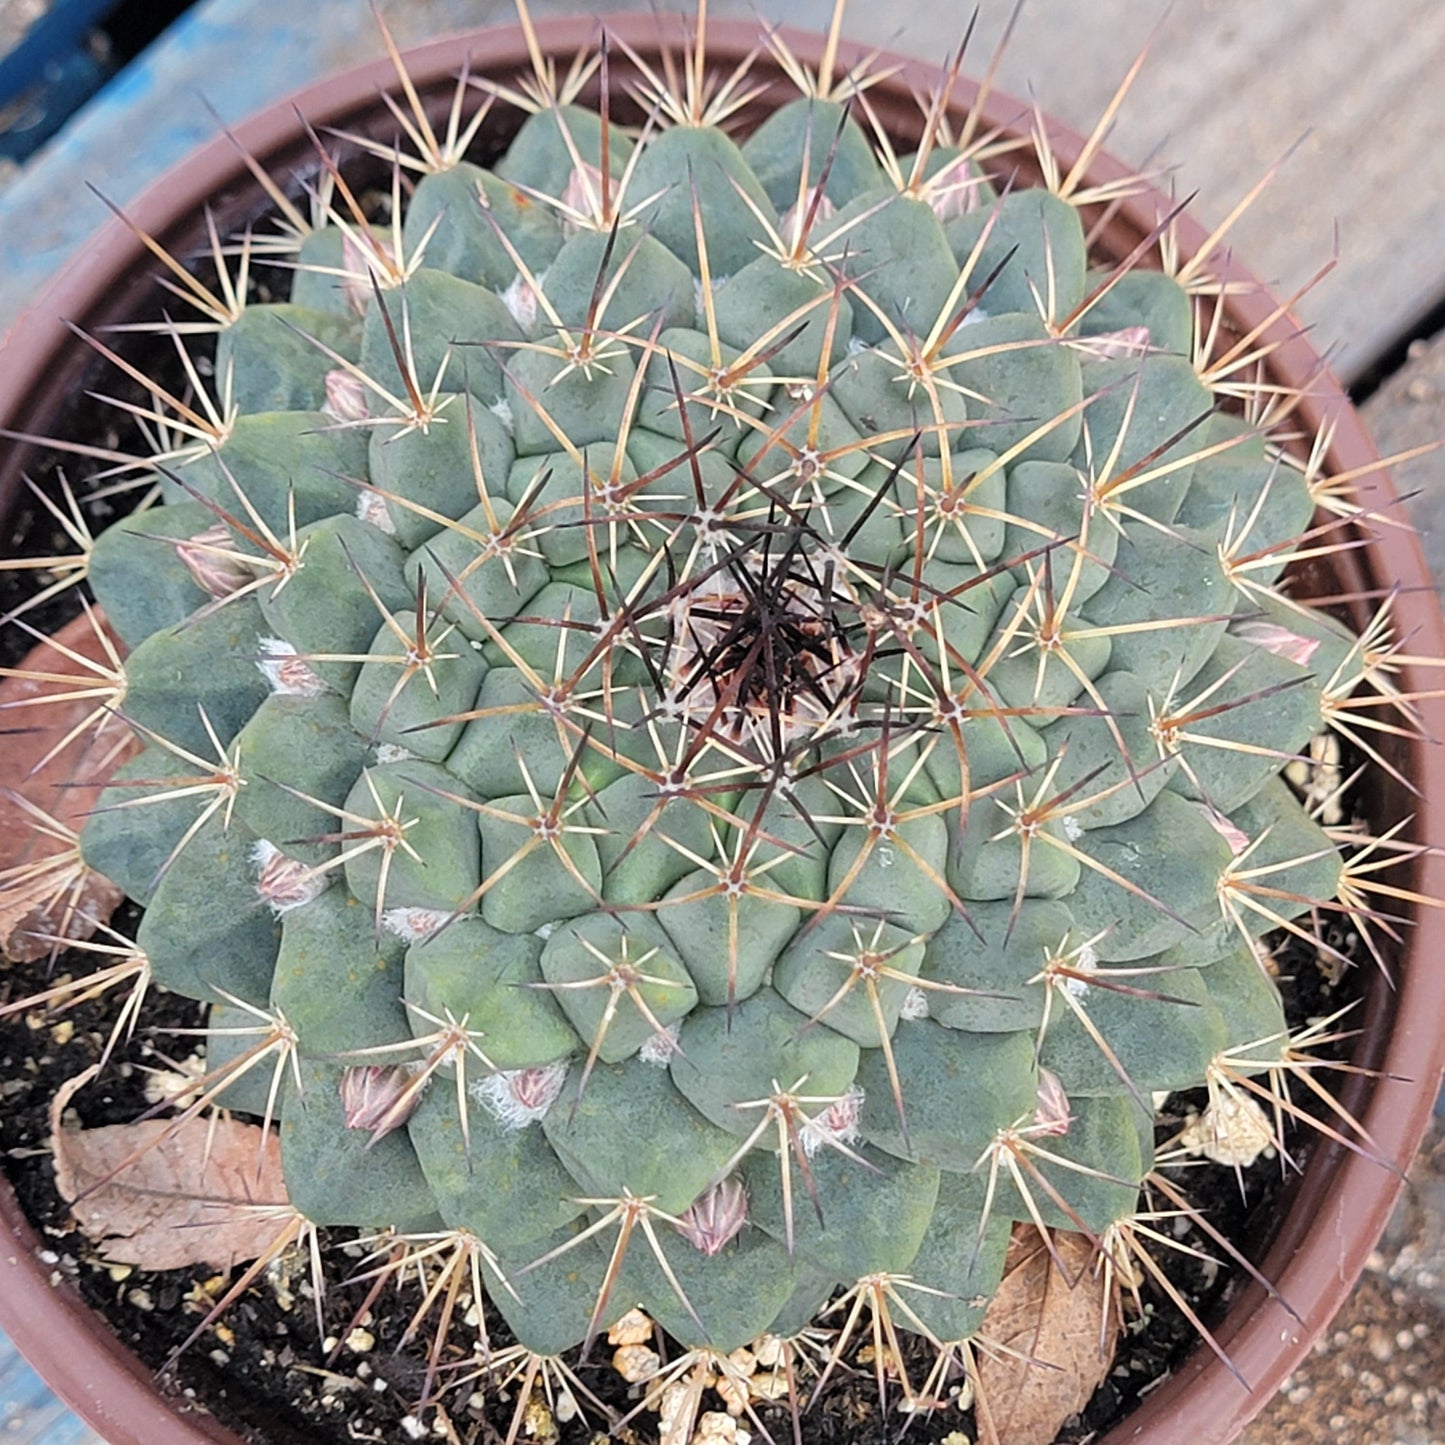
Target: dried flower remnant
{"x":377,"y":1097}
{"x":519,"y":1097}
{"x":346,"y":397}
{"x":284,"y":883}
{"x":210,"y":557}
{"x":1052,"y":1115}
{"x":836,"y":1124}
{"x":715,"y":1219}
{"x":1278,"y":640}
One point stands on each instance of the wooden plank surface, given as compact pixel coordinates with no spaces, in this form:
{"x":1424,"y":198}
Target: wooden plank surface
{"x":1408,"y":412}
{"x":1229,"y":85}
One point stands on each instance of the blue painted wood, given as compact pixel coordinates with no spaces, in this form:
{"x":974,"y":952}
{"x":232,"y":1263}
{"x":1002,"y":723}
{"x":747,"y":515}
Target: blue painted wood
{"x":47,"y":42}
{"x":29,"y":1413}
{"x":232,"y":55}
{"x":69,"y":82}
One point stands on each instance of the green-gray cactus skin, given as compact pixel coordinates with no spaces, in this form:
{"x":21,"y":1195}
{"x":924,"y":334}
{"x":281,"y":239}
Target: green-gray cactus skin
{"x":726,"y":715}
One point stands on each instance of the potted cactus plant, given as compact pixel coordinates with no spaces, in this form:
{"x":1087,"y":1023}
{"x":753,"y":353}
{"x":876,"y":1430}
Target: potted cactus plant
{"x":711,"y":696}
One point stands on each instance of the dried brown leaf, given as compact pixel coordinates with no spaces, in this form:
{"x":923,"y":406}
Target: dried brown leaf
{"x":207,"y":1194}
{"x":1052,"y":1324}
{"x":34,"y":914}
{"x":31,"y":909}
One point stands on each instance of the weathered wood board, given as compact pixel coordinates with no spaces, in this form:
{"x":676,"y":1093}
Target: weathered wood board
{"x":1406,"y":413}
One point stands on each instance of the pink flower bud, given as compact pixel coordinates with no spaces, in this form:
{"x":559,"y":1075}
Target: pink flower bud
{"x":1114,"y":345}
{"x":534,"y":1089}
{"x":414,"y":925}
{"x":1237,"y":838}
{"x":374,"y":1097}
{"x":345,"y":397}
{"x":955,"y":190}
{"x":1278,"y":640}
{"x":361,"y":257}
{"x":715,"y":1217}
{"x":795,"y":215}
{"x":583,"y":194}
{"x":216,"y":575}
{"x":371,"y":508}
{"x":1051,"y":1111}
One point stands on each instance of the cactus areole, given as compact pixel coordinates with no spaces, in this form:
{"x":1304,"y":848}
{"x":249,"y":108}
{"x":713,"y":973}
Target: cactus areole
{"x":715,"y":688}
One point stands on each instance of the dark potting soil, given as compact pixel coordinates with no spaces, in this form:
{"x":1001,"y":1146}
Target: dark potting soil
{"x":262,"y":1370}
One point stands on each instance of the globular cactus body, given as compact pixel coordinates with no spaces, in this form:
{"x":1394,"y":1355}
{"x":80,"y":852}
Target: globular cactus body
{"x":706,"y":711}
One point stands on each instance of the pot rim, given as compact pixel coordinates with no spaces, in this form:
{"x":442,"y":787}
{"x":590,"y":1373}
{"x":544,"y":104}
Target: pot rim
{"x":1342,"y":1204}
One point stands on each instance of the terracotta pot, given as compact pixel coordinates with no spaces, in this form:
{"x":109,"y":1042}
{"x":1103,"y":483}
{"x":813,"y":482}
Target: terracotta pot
{"x":1332,"y":1216}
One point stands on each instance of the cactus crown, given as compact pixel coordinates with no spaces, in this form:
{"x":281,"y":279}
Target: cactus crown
{"x":713,"y":706}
